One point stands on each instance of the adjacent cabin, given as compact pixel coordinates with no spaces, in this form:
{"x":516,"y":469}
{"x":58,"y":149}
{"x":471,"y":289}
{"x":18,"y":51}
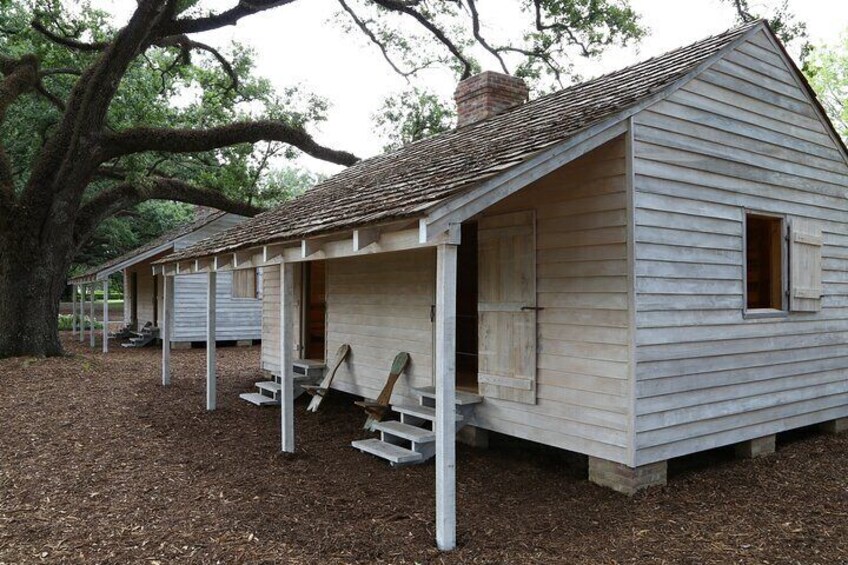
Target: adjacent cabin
{"x":639,"y":267}
{"x":239,"y":294}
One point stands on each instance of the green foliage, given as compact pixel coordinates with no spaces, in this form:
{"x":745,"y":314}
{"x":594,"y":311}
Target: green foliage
{"x":120,"y":234}
{"x":786,"y":25}
{"x":65,"y":323}
{"x":827,"y":70}
{"x":412,"y":115}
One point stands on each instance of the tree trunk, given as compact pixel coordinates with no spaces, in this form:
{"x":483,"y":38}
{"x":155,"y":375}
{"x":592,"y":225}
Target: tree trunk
{"x":32,"y":278}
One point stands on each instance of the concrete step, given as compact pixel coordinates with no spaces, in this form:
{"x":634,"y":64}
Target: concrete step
{"x":259,"y":399}
{"x":462,"y":398}
{"x":405,"y":431}
{"x":418,"y":411}
{"x":394,"y":454}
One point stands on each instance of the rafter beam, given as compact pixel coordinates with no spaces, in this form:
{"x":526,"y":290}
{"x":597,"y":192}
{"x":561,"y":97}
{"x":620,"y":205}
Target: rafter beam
{"x":364,"y":237}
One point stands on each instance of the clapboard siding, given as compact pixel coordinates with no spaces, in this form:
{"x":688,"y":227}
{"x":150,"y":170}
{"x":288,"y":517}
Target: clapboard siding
{"x":271,"y":317}
{"x":583,"y":357}
{"x":235,"y":318}
{"x":380,"y":305}
{"x":743,"y":135}
{"x":144,"y":295}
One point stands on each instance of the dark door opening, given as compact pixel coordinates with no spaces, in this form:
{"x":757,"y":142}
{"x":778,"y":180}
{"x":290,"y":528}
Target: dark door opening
{"x":466,"y":309}
{"x":314,"y":299}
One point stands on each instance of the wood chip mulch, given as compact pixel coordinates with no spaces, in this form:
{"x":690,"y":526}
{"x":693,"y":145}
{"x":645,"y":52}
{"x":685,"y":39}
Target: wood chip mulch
{"x":101,"y":464}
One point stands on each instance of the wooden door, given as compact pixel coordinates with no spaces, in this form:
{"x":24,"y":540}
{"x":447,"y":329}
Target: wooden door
{"x":507,"y":306}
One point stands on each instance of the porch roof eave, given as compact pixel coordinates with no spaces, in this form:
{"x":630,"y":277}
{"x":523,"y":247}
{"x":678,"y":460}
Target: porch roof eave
{"x":387,"y":237}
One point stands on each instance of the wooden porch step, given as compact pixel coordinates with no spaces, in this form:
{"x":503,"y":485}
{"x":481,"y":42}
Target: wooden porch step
{"x":418,"y":411}
{"x":272,"y":387}
{"x":396,"y":455}
{"x":406,"y":431}
{"x":308,"y":368}
{"x":259,"y":399}
{"x":462,"y":398}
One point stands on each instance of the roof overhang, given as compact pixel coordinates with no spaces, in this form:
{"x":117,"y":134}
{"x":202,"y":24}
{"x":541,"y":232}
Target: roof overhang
{"x":383,"y":238}
{"x":118,"y":267}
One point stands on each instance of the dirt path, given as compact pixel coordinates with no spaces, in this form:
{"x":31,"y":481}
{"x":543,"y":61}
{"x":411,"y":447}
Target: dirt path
{"x":98,"y":463}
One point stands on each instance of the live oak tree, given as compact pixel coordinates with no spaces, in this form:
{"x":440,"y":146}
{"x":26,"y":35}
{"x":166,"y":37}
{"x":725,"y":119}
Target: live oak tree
{"x":85,"y":155}
{"x":827,"y":69}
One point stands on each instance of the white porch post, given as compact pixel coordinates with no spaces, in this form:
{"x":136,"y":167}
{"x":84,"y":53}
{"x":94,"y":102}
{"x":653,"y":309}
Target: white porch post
{"x":445,"y":424}
{"x":73,"y":309}
{"x":167,"y":313}
{"x":106,"y":315}
{"x":286,"y":376}
{"x":91,"y":313}
{"x":211,"y":369}
{"x":82,"y":313}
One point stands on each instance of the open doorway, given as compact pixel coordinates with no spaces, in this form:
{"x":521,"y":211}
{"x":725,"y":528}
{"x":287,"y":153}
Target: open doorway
{"x":315,"y":309}
{"x":466,"y":309}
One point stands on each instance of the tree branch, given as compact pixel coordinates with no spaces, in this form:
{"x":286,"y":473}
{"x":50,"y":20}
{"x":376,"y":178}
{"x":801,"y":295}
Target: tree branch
{"x":406,"y":7}
{"x":139,"y":140}
{"x":222,"y":19}
{"x":362,"y":25}
{"x":68,"y":41}
{"x":475,"y":28}
{"x":186,"y":45}
{"x":128,"y":194}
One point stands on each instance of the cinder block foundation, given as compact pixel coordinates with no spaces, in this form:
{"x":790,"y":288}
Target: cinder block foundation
{"x":180,"y":345}
{"x":244,"y":343}
{"x":759,"y":447}
{"x":473,"y":436}
{"x":624,"y":479}
{"x":835,"y":426}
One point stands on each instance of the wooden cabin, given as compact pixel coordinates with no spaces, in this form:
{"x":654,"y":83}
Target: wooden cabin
{"x":239,"y":294}
{"x":639,"y":267}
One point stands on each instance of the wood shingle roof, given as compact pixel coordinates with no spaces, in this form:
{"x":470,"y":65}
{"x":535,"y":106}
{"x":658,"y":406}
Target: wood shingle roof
{"x":406,"y":183}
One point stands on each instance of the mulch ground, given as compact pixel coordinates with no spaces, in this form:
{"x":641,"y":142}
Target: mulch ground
{"x":99,"y":463}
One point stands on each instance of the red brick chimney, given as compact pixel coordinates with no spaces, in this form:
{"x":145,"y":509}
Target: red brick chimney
{"x":487,"y":94}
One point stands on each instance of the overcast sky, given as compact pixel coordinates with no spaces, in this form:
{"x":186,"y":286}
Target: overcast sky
{"x":298,"y":44}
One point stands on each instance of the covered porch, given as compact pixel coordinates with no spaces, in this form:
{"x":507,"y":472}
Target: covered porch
{"x":402,"y":240}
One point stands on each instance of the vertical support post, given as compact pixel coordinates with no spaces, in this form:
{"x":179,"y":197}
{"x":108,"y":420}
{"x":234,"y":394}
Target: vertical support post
{"x":167,"y":312}
{"x":211,"y":361}
{"x":82,"y":314}
{"x":445,"y":424}
{"x":91,"y":313}
{"x":127,"y":306}
{"x":286,"y":375}
{"x":73,"y":309}
{"x":106,"y":316}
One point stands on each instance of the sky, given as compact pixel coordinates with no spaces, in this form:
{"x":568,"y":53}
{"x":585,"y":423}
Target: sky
{"x":302,"y":44}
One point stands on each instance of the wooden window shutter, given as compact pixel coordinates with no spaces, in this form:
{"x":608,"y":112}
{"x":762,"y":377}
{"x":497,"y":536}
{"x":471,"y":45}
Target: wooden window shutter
{"x":244,"y":283}
{"x":805,"y":267}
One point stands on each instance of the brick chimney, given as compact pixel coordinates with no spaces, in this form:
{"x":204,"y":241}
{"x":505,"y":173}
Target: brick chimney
{"x":489,"y":93}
